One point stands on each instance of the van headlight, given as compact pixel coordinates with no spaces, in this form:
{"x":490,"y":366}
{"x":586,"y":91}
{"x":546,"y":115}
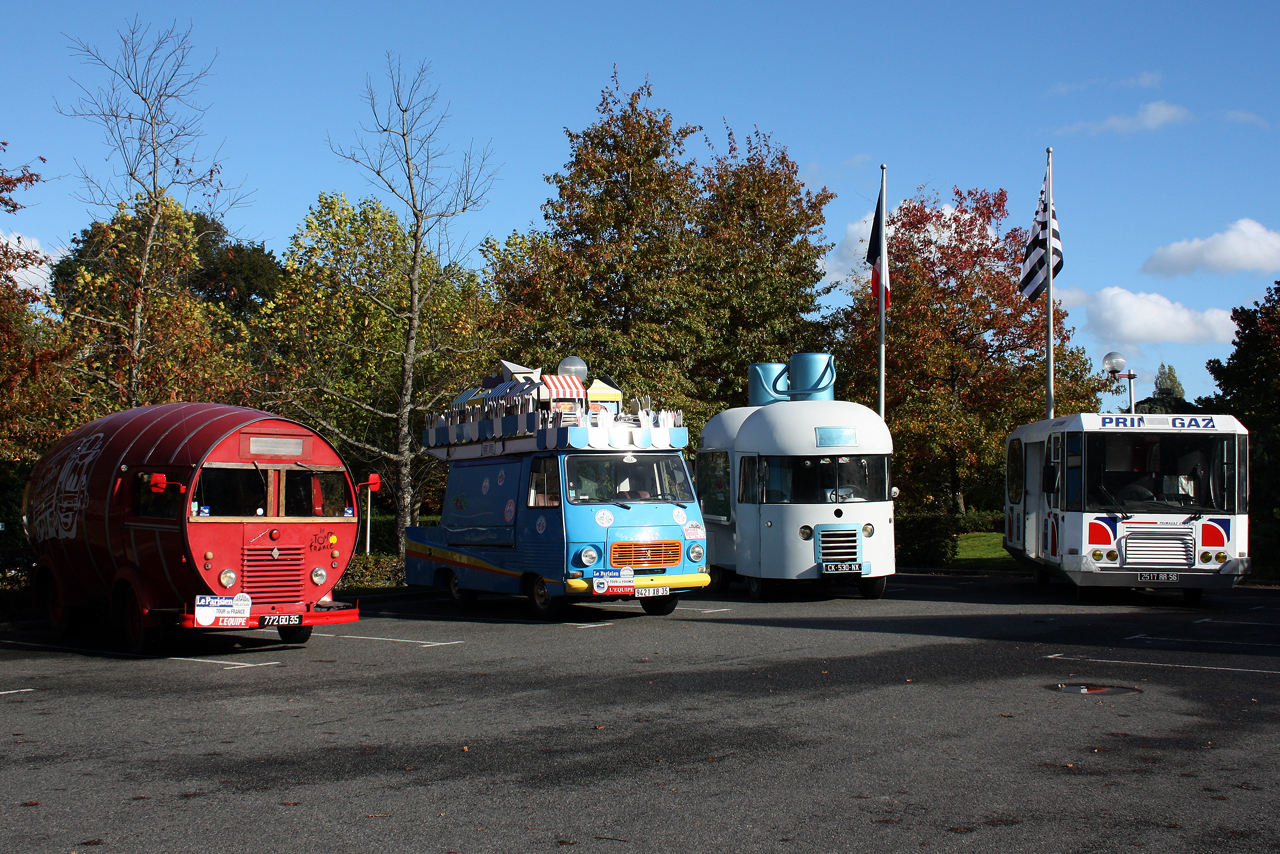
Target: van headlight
{"x":318,"y":575}
{"x":589,"y":556}
{"x":868,"y":529}
{"x":696,"y":551}
{"x":227,"y":578}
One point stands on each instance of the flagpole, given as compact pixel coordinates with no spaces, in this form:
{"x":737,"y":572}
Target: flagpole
{"x":884,"y":273}
{"x":1048,"y":246}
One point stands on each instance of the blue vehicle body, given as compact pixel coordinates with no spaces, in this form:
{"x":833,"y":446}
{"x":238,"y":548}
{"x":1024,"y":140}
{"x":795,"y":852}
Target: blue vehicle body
{"x":535,"y":523}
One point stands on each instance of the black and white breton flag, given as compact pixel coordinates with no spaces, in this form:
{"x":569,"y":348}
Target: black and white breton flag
{"x":1035,"y":273}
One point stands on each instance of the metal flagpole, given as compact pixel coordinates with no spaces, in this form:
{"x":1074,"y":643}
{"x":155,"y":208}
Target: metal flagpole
{"x":1048,"y":245}
{"x":884,"y":272}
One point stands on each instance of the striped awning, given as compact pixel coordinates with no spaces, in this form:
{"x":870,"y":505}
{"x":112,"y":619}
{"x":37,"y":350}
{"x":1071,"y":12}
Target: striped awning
{"x":502,"y":390}
{"x":561,"y":388}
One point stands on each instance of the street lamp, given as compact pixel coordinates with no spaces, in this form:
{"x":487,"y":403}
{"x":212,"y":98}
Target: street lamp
{"x":1113,"y":363}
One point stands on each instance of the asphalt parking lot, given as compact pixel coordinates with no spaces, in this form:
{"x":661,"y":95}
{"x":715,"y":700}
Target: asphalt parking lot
{"x":931,"y":719}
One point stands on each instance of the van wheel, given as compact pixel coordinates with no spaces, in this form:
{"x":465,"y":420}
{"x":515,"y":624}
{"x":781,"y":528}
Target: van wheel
{"x":1043,"y":577}
{"x":872,"y":588}
{"x":720,"y":578}
{"x":758,"y":588}
{"x":54,"y":603}
{"x":659,"y":606}
{"x":131,"y":628}
{"x":294,"y":634}
{"x":543,"y":604}
{"x":1192,"y":595}
{"x":456,"y":592}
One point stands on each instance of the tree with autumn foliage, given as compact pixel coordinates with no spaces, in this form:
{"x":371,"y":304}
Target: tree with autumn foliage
{"x":965,"y":351}
{"x":1249,"y":388}
{"x":668,"y":276}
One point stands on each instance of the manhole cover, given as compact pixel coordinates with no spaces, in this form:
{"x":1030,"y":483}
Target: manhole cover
{"x":1086,"y":688}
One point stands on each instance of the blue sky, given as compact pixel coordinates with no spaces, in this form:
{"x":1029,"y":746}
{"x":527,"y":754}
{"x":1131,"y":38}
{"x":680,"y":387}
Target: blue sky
{"x":1163,"y":119}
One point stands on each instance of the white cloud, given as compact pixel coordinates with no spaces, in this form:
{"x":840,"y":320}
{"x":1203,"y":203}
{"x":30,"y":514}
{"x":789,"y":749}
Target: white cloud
{"x":1244,"y":117}
{"x":1128,"y":318}
{"x":850,"y":251}
{"x":1245,"y":245}
{"x":1152,"y":116}
{"x":33,"y":278}
{"x":1145,"y":80}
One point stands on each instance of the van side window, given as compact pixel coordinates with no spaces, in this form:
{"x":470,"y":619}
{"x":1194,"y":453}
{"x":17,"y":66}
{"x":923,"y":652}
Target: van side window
{"x":747,"y":489}
{"x":713,"y":483}
{"x":544,"y":482}
{"x":165,"y":504}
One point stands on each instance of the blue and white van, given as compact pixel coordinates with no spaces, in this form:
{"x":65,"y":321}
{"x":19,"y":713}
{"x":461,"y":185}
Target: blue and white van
{"x":561,"y":499}
{"x":797,"y":486}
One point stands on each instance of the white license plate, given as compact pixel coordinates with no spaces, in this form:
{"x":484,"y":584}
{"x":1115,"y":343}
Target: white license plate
{"x":280,"y":620}
{"x":1157,"y":576}
{"x":841,"y":567}
{"x":652,"y":591}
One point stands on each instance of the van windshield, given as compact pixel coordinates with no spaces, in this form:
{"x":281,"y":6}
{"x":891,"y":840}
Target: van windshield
{"x":1175,"y":473}
{"x":824,"y":480}
{"x":627,"y":478}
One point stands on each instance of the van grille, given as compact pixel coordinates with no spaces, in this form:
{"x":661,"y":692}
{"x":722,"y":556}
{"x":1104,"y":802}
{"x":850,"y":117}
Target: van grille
{"x":273,"y":578}
{"x":1174,"y":550}
{"x":838,"y":546}
{"x":645,"y":555}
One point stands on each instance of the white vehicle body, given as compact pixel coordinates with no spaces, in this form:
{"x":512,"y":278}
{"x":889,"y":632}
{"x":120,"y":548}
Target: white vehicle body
{"x":798,"y":490}
{"x":1157,"y":501}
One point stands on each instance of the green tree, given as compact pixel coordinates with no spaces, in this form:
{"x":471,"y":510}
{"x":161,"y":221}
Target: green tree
{"x":668,"y":276}
{"x":1249,"y":388}
{"x":1169,"y":396}
{"x":1167,"y":381}
{"x":965,"y":351}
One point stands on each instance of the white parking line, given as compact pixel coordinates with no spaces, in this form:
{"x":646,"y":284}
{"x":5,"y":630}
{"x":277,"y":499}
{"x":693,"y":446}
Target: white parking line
{"x":233,"y":665}
{"x":1058,"y":656}
{"x":1233,"y":622}
{"x":18,"y":691}
{"x":1199,"y":640}
{"x":588,"y":625}
{"x":387,"y":640}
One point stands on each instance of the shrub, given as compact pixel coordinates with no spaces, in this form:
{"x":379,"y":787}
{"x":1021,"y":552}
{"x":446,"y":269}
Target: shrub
{"x":925,"y":539}
{"x":372,"y":570}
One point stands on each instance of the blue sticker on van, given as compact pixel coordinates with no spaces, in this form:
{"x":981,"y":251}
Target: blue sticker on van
{"x":836,"y":437}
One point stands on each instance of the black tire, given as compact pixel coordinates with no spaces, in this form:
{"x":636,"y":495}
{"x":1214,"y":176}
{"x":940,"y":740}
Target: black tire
{"x":457,"y":593}
{"x":131,"y":627}
{"x":1088,"y":594}
{"x":659,"y":606}
{"x":543,"y":604}
{"x":872,"y":588}
{"x":758,"y":588}
{"x":53,"y":601}
{"x":1192,"y":595}
{"x":294,"y":634}
{"x":720,"y":578}
{"x":1043,"y":576}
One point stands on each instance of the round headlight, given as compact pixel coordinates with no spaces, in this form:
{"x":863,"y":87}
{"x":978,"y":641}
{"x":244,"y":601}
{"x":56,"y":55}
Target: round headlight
{"x":318,"y":575}
{"x":1097,"y":554}
{"x":227,"y":577}
{"x":806,"y":532}
{"x":589,"y":556}
{"x":1113,"y":555}
{"x":1205,"y":557}
{"x":868,"y":529}
{"x":696,"y":551}
{"x":1220,"y":557}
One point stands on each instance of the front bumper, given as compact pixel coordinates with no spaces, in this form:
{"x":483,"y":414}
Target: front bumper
{"x":677,"y":583}
{"x":323,"y":614}
{"x":1082,"y":570}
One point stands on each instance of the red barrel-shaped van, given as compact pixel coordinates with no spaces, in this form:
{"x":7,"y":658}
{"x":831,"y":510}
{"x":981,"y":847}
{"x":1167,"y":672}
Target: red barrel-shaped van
{"x":195,"y":515}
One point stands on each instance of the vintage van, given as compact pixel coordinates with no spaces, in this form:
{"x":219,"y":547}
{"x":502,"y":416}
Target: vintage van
{"x":567,"y":504}
{"x":797,"y":486}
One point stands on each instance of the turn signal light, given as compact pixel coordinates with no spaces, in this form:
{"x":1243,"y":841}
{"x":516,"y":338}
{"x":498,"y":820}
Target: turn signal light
{"x":1113,"y":555}
{"x":1205,"y":557}
{"x":1220,"y":557}
{"x":1096,"y":554}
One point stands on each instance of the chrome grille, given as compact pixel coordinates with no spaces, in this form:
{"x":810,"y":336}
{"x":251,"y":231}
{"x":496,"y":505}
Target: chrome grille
{"x":838,"y":546}
{"x":1172,"y":550}
{"x":274,"y":575}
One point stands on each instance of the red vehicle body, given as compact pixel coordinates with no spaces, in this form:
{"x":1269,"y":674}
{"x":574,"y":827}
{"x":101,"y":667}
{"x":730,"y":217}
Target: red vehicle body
{"x":196,"y":515}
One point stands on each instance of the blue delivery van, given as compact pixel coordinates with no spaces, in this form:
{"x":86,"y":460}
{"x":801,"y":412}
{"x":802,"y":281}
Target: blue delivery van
{"x":555,"y":495}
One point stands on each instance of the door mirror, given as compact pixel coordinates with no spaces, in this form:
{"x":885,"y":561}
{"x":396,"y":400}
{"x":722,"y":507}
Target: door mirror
{"x":1049,"y":479}
{"x":893,"y":493}
{"x":159,"y":482}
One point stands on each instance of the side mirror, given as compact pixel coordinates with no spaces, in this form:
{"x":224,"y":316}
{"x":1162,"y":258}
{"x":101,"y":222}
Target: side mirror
{"x":159,"y":482}
{"x":893,"y":492}
{"x":1049,"y":479}
{"x":375,"y":482}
